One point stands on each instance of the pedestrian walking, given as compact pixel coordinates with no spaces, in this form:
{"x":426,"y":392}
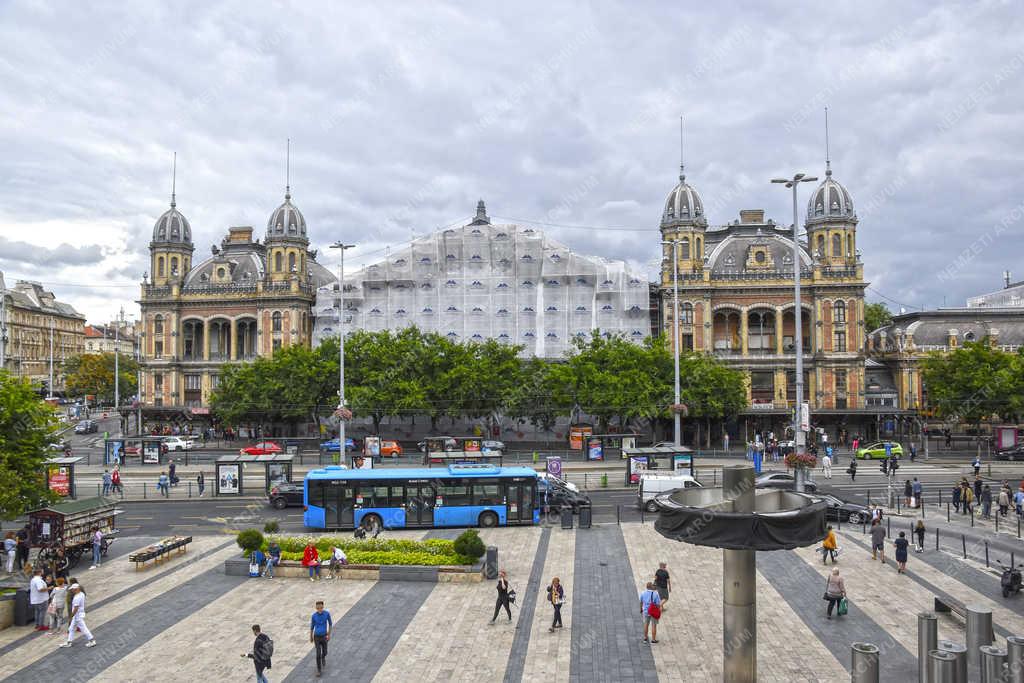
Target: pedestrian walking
{"x":979,"y":485}
{"x":919,"y":531}
{"x":172,"y":472}
{"x":106,"y":482}
{"x":977,"y":466}
{"x":902,"y":545}
{"x":58,"y":601}
{"x":650,"y":611}
{"x":967,"y":500}
{"x":832,"y":455}
{"x":1003,"y":501}
{"x":97,"y":546}
{"x":77,"y":620}
{"x":556,"y":596}
{"x":311,"y":560}
{"x":1018,"y":501}
{"x":949,"y":438}
{"x":957,"y":491}
{"x":835,"y":590}
{"x":163,"y":485}
{"x":663,"y":582}
{"x":115,"y":481}
{"x":503,"y":599}
{"x":878,"y":540}
{"x":826,"y":465}
{"x":38,"y":597}
{"x":908,"y":493}
{"x":829,"y":546}
{"x":725,"y":442}
{"x":852,"y":469}
{"x":320,"y":625}
{"x":262,"y":651}
{"x":916,"y":489}
{"x":23,"y":548}
{"x":201,"y":483}
{"x":10,"y":550}
{"x":913,"y":452}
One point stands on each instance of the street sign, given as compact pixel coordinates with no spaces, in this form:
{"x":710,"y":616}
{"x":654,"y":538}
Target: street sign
{"x":805,"y":417}
{"x":554,"y":465}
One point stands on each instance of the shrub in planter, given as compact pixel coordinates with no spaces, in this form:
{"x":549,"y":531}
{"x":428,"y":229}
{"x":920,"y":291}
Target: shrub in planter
{"x":469,"y":544}
{"x":249,"y":540}
{"x":271,"y":527}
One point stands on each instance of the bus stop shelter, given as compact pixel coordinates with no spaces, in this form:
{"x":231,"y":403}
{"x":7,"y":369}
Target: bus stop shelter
{"x":462,"y":458}
{"x":230,"y":472}
{"x":60,"y":476}
{"x":675,"y":459}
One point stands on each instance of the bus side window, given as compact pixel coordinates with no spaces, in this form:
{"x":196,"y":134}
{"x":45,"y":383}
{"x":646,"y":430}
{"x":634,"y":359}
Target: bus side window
{"x":455,"y":491}
{"x":378,"y":497}
{"x":486,"y":493}
{"x":397,"y":496}
{"x":315,"y":493}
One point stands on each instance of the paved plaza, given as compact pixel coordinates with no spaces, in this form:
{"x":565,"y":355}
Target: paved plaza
{"x":187,"y":620}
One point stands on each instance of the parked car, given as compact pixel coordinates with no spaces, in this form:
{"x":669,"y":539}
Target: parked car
{"x":284,"y":494}
{"x":177,"y":443}
{"x":781,"y":480}
{"x":544,"y":478}
{"x":877,"y":450}
{"x":86,"y":427}
{"x":390,"y":448}
{"x":841,"y":510}
{"x":556,"y":496}
{"x":262,"y":448}
{"x":1011,"y":453}
{"x":332,"y":445}
{"x":653,"y":485}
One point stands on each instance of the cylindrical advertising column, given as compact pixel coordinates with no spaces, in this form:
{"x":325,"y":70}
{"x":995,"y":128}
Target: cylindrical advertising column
{"x":739,"y":582}
{"x":1015,"y":659}
{"x":941,"y":666}
{"x":864,"y":663}
{"x":960,"y":652}
{"x":927,"y":640}
{"x":993,"y":660}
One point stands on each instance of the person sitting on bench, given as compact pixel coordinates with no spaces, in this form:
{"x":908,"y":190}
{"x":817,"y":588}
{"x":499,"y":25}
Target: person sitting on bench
{"x":338,"y":560}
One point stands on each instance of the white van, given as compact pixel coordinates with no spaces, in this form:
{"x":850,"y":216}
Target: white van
{"x":652,"y":485}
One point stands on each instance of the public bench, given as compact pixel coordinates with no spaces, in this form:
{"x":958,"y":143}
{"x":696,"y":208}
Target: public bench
{"x":239,"y":566}
{"x":159,"y":552}
{"x":947,"y":604}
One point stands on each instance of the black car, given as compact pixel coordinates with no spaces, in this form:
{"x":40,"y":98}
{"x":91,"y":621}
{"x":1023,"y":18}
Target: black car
{"x":782,"y":480}
{"x":556,"y":497}
{"x":1011,"y":453}
{"x":284,"y":494}
{"x":840,"y":510}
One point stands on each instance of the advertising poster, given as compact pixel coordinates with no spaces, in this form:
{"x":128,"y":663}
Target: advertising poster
{"x":595,"y":448}
{"x":554,"y":466}
{"x":277,"y":472}
{"x":471,"y":445}
{"x":59,"y":479}
{"x":228,"y":476}
{"x":360,"y":462}
{"x":577,"y":435}
{"x":637,"y":466}
{"x":151,"y":452}
{"x":112,"y":454}
{"x":682,"y":463}
{"x":371,"y":446}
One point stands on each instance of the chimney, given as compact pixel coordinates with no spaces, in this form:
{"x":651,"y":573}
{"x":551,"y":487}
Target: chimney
{"x":240,"y":235}
{"x":1006,"y":278}
{"x":751,"y":215}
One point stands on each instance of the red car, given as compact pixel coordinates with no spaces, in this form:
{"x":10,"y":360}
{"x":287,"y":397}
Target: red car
{"x":262,"y":448}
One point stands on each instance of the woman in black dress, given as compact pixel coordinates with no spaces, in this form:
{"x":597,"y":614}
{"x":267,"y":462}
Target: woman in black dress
{"x":902,"y":544}
{"x":502,"y":600}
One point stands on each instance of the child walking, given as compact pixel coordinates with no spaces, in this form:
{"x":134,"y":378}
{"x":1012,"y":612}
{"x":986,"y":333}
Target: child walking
{"x":58,"y":601}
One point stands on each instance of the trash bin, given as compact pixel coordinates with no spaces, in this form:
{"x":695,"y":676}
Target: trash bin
{"x":567,"y":517}
{"x":23,"y":612}
{"x":586,"y":516}
{"x":491,"y":563}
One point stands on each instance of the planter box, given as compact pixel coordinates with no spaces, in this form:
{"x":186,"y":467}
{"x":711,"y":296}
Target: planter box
{"x":6,"y":611}
{"x":239,"y":566}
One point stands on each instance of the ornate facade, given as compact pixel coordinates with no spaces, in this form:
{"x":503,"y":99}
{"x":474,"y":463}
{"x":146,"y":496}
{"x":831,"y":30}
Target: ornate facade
{"x":246,"y":299}
{"x":736,"y":301}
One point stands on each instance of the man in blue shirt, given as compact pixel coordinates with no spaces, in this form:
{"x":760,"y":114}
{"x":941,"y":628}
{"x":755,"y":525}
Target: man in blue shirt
{"x":319,"y":634}
{"x":647,"y":598}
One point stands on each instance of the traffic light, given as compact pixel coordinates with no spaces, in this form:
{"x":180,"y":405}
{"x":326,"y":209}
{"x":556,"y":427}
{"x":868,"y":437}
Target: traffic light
{"x":884,"y":466}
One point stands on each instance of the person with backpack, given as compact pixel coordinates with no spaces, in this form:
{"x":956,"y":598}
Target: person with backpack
{"x":262,"y":651}
{"x":556,"y":596}
{"x":503,"y":597}
{"x":650,"y":611}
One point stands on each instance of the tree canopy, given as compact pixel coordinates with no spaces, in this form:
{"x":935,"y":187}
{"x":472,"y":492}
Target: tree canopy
{"x":975,"y":382}
{"x":93,"y":373}
{"x":27,"y":427}
{"x":875,"y":316}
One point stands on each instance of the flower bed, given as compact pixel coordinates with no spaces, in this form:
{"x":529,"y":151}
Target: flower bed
{"x":433,"y":552}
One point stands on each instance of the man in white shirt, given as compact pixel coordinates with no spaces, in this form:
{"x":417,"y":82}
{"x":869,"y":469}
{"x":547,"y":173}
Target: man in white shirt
{"x":39,"y":597}
{"x":826,"y":465}
{"x":78,"y":618}
{"x":338,"y":560}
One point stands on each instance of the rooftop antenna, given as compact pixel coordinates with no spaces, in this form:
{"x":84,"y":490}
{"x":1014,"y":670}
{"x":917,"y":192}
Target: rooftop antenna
{"x":174,"y":178}
{"x":828,"y":162}
{"x":682,"y":172}
{"x":288,"y":170}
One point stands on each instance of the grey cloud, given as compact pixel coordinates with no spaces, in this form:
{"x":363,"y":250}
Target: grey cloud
{"x":17,"y":252}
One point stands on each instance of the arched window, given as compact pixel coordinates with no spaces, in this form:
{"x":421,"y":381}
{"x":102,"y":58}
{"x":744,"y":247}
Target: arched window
{"x":275,"y":320}
{"x":160,"y":266}
{"x":821,"y":245}
{"x":278,"y":261}
{"x":849,"y":246}
{"x":686,"y":313}
{"x":698,"y":251}
{"x":839,"y":312}
{"x":837,"y":245}
{"x":291,"y":262}
{"x":174,"y":265}
{"x":158,"y":324}
{"x":684,"y":248}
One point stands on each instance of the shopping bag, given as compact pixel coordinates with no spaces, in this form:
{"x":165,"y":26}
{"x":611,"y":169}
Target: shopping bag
{"x":913,"y":502}
{"x":843,"y":607}
{"x":254,"y":569}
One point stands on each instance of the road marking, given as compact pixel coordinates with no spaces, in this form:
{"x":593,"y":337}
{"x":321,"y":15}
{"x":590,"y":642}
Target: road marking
{"x":136,"y":518}
{"x":187,"y":517}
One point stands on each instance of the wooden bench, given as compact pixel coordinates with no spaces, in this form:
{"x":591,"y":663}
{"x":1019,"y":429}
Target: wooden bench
{"x":159,"y":552}
{"x":945,"y":605}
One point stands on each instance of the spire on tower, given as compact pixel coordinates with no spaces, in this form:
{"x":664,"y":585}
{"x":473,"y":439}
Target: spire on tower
{"x":682,"y":171}
{"x":174,"y":178}
{"x":288,"y":170}
{"x":828,"y":162}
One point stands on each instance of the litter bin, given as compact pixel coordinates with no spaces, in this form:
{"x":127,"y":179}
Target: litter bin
{"x":23,"y":612}
{"x":586,"y":516}
{"x":491,"y":563}
{"x":566,"y":517}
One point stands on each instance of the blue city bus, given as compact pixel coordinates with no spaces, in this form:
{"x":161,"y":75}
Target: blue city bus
{"x":473,"y":494}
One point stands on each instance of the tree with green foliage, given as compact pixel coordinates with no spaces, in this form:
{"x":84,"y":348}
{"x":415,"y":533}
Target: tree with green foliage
{"x":27,"y":427}
{"x":93,"y":373}
{"x":532,"y":400}
{"x":975,"y":382}
{"x":875,"y":316}
{"x":383,"y":374}
{"x":710,"y":389}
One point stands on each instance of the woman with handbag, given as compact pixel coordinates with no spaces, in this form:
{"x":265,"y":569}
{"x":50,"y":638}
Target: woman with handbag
{"x":503,"y":597}
{"x":835,"y":593}
{"x":556,"y":596}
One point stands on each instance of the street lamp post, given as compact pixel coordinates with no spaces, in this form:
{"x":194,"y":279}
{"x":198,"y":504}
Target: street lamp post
{"x":798,"y":433}
{"x":341,"y":247}
{"x":676,"y":417}
{"x":117,"y":375}
{"x":3,"y":321}
{"x":49,"y":388}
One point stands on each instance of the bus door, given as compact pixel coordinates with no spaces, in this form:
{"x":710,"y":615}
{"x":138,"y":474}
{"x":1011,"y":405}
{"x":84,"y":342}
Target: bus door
{"x":338,"y":505}
{"x":419,"y":504}
{"x":519,"y":502}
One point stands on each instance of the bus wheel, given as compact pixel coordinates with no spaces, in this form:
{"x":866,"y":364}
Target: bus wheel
{"x":488,"y":519}
{"x":371,"y":523}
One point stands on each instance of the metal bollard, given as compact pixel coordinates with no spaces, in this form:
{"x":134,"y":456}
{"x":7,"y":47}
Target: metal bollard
{"x":941,"y":666}
{"x":960,"y":652}
{"x":963,"y":542}
{"x":993,"y":664}
{"x":864,"y":663}
{"x":927,"y":640}
{"x":979,"y":633}
{"x":1015,"y":659}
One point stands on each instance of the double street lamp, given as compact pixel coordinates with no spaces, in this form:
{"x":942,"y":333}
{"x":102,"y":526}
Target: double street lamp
{"x":340,"y":412}
{"x":799,"y":438}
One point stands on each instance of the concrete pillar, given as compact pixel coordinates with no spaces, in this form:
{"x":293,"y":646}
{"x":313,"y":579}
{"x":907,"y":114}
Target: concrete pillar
{"x":206,"y":339}
{"x":743,"y":330}
{"x":739,"y":579}
{"x":778,"y":331}
{"x":233,"y":327}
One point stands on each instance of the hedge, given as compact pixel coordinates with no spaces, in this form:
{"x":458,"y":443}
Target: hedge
{"x":431,"y":552}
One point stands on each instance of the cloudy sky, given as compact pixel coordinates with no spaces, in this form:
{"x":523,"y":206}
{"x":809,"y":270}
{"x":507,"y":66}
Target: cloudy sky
{"x":402,"y":116}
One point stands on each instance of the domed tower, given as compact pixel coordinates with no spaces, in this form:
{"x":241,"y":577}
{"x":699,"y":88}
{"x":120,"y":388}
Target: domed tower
{"x":683,"y":222}
{"x":171,"y":248}
{"x":831,"y":221}
{"x":287,"y":243}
